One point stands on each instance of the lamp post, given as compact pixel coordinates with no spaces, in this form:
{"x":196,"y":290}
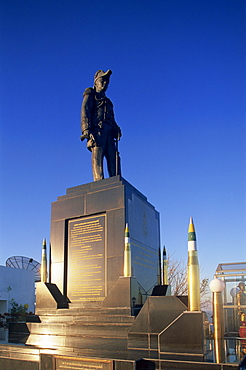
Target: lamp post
{"x":217,"y":286}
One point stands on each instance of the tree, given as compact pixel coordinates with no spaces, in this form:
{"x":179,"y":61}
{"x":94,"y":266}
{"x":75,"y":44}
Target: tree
{"x":18,"y":312}
{"x":177,"y":278}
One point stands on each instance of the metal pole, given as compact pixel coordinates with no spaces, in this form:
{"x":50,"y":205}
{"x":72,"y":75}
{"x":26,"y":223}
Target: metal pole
{"x":217,"y":286}
{"x":218,"y":319}
{"x":117,"y":157}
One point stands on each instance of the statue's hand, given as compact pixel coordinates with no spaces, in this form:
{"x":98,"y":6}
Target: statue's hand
{"x":91,"y":142}
{"x":85,"y":135}
{"x":119,"y":134}
{"x":92,"y":139}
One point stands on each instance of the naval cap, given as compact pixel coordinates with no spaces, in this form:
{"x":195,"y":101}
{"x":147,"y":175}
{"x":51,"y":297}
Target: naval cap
{"x":101,"y":73}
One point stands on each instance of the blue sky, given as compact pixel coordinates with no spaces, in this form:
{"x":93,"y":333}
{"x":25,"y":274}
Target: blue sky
{"x":178,"y":88}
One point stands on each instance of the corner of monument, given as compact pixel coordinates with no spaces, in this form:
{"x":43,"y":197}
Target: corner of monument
{"x":123,"y":293}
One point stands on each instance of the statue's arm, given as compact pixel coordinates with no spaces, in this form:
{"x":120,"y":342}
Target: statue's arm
{"x":86,"y":113}
{"x":117,"y":130}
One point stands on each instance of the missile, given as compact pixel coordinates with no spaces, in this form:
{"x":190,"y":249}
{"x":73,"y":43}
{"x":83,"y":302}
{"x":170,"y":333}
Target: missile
{"x":50,"y":265}
{"x":44,"y":263}
{"x":193,"y":271}
{"x":164,"y":267}
{"x":159,"y":267}
{"x":127,"y":254}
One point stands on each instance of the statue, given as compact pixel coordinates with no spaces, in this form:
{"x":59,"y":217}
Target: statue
{"x":241,"y":301}
{"x":98,"y":126}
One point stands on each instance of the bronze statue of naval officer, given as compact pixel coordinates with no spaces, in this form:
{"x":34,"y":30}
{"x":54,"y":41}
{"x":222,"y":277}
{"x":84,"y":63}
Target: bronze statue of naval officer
{"x":98,"y":126}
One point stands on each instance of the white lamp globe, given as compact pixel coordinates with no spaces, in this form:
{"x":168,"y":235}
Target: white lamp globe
{"x":217,"y":285}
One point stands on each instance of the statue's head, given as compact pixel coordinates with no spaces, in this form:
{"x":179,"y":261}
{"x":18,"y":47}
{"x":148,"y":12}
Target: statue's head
{"x":241,"y":286}
{"x":101,"y":80}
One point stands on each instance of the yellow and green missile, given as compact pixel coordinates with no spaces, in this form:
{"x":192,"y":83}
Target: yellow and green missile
{"x":193,"y":271}
{"x":44,"y":263}
{"x":164,"y":267}
{"x":127,"y":254}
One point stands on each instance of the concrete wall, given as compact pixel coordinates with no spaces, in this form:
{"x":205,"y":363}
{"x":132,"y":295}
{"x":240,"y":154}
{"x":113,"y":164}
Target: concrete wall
{"x":18,"y":284}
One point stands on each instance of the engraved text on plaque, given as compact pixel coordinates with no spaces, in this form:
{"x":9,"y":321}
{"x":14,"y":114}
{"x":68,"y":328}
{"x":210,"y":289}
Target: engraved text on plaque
{"x":86,"y":258}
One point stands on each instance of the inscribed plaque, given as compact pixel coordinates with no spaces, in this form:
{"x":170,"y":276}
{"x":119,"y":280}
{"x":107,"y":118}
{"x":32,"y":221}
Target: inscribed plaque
{"x":63,"y":362}
{"x":86,"y":258}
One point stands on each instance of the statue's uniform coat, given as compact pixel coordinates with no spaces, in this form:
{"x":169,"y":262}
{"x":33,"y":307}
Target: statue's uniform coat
{"x":97,"y":118}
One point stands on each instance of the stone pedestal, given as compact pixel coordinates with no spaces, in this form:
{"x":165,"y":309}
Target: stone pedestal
{"x":87,"y":239}
{"x":88,"y":304}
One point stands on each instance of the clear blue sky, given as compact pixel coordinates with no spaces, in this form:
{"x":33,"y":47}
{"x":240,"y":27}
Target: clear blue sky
{"x":178,"y":87}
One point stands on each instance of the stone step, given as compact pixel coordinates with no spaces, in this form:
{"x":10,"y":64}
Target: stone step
{"x":116,"y":330}
{"x":78,"y":342}
{"x":78,"y":319}
{"x":84,"y":311}
{"x":86,"y":318}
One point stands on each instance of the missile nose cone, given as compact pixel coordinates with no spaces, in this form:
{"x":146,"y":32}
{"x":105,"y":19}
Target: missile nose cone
{"x":127,"y":230}
{"x":44,"y":243}
{"x":191,"y":226}
{"x":191,"y":230}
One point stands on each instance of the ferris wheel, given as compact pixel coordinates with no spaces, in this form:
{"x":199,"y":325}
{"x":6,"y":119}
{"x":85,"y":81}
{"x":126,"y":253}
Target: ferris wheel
{"x":25,"y":263}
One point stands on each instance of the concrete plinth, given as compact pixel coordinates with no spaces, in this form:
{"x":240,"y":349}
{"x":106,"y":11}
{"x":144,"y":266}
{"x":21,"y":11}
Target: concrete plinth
{"x":87,"y":239}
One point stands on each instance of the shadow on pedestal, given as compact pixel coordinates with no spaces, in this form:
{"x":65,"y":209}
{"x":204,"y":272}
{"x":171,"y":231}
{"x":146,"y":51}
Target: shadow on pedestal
{"x":145,"y":365}
{"x":49,"y":296}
